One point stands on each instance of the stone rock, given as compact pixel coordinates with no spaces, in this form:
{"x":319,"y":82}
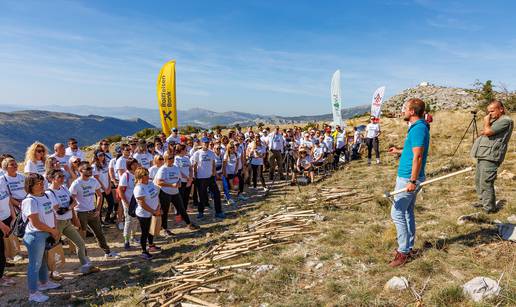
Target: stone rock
{"x":437,"y":97}
{"x":480,"y":288}
{"x":507,"y":232}
{"x":319,"y":217}
{"x":397,"y":283}
{"x":463,"y":219}
{"x":505,"y":174}
{"x":311,"y":264}
{"x":263,"y":268}
{"x":264,"y":305}
{"x":512,"y":219}
{"x":319,"y":266}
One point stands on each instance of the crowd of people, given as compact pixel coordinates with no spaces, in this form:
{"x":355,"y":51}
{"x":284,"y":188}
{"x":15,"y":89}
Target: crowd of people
{"x":71,"y":194}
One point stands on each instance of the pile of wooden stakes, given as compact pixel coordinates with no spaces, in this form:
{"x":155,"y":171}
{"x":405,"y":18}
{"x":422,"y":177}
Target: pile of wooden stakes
{"x":334,"y":196}
{"x":200,"y":275}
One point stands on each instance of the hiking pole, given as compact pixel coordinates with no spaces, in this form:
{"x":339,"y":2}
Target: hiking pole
{"x":389,"y":194}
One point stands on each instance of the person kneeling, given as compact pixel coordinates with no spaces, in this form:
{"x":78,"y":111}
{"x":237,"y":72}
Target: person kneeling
{"x":147,"y":197}
{"x":304,"y":165}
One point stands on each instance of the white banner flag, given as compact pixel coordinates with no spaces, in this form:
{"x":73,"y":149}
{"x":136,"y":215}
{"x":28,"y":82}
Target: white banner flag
{"x":336,"y":103}
{"x":376,"y":104}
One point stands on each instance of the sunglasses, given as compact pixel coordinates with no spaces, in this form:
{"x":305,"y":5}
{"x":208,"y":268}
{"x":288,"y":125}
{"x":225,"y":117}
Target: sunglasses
{"x":170,"y":158}
{"x":73,"y":143}
{"x":59,"y":176}
{"x":104,"y":144}
{"x":76,"y":161}
{"x":87,"y":169}
{"x":161,"y":159}
{"x":40,"y":151}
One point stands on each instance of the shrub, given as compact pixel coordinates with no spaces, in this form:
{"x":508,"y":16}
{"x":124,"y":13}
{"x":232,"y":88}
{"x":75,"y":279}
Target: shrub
{"x":114,"y":138}
{"x":147,"y":133}
{"x":189,"y":129}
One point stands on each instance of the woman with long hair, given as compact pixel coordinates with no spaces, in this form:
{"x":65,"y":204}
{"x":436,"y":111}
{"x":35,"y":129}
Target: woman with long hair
{"x":147,"y":197}
{"x":41,"y":225}
{"x":7,"y":215}
{"x":35,"y":158}
{"x":125,"y":191}
{"x":74,"y":169}
{"x":101,"y":173}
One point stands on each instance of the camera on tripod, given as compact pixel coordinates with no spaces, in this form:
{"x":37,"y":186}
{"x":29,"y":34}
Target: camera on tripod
{"x":474,"y":112}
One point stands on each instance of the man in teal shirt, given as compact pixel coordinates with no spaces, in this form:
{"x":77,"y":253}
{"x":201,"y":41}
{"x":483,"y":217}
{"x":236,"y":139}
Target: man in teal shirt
{"x":411,"y":172}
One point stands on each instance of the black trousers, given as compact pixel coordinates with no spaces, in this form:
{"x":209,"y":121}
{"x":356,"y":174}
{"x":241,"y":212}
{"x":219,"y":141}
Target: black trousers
{"x":338,"y":152}
{"x":372,"y":143}
{"x":257,"y":171}
{"x":185,"y":193}
{"x":3,"y":261}
{"x":240,"y":182}
{"x":165,"y":199}
{"x":195,"y":193}
{"x":203,"y":184}
{"x":145,"y":223}
{"x":111,"y":205}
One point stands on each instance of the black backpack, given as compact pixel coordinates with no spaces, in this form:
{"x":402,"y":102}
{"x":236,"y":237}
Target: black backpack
{"x":132,"y":206}
{"x":20,"y":224}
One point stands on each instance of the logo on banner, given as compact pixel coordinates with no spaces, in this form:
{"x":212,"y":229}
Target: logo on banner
{"x":166,"y":115}
{"x":377,"y":99}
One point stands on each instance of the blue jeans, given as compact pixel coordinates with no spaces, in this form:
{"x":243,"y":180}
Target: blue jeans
{"x":402,"y":214}
{"x":37,"y":268}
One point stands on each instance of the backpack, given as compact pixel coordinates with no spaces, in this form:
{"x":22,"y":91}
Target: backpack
{"x":20,"y":224}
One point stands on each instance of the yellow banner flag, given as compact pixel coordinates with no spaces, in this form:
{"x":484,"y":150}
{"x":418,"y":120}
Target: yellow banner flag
{"x":166,"y":90}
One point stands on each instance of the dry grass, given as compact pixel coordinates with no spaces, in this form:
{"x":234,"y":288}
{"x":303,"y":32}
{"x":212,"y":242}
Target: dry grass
{"x":355,"y":244}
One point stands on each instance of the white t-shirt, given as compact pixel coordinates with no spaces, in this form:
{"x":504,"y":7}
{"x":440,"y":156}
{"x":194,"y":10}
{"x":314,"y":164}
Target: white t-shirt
{"x":341,"y":140}
{"x":305,"y":161}
{"x":276,"y":141}
{"x":16,"y":185}
{"x":204,"y":160}
{"x":64,"y":160}
{"x":103,"y":175}
{"x":84,"y":191}
{"x":5,"y":209}
{"x":258,"y":161}
{"x":307,"y":143}
{"x":174,"y":139}
{"x":61,"y":197}
{"x":151,"y":193}
{"x":111,"y":165}
{"x":40,"y":205}
{"x":372,"y":130}
{"x":318,"y":152}
{"x":78,"y":153}
{"x":38,"y":167}
{"x":231,"y":163}
{"x":218,"y":163}
{"x":184,"y":167}
{"x":127,"y":180}
{"x":153,"y":171}
{"x":357,"y":137}
{"x":328,"y":141}
{"x":120,"y":165}
{"x":144,"y":159}
{"x":171,"y":175}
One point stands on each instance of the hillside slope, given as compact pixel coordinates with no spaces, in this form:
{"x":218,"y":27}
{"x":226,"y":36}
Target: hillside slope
{"x":22,"y":128}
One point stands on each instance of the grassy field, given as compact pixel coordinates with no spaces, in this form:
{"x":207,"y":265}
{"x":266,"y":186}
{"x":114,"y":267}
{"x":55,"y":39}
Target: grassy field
{"x":346,"y":264}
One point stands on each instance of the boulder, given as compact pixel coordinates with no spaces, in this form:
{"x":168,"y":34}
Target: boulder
{"x":263,"y":268}
{"x":480,"y":288}
{"x":397,"y":283}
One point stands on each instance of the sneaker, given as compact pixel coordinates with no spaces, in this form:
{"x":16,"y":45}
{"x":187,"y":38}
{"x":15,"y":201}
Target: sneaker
{"x":112,"y":255}
{"x":154,"y":249}
{"x":414,"y":253}
{"x":146,"y":256}
{"x":220,"y":215}
{"x":121,"y":226}
{"x":399,"y":260}
{"x":37,"y":297}
{"x":377,"y":161}
{"x":368,"y":161}
{"x":17,"y":258}
{"x":56,"y":276}
{"x":200,"y":216}
{"x":242,"y":197}
{"x":48,"y":286}
{"x":127,"y":246}
{"x":265,"y":190}
{"x":169,"y":233}
{"x":192,"y":226}
{"x":135,"y":240}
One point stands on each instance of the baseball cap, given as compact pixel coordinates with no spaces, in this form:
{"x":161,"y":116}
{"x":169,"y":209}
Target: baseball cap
{"x":118,"y":149}
{"x":316,"y":142}
{"x":174,"y":129}
{"x":205,"y":140}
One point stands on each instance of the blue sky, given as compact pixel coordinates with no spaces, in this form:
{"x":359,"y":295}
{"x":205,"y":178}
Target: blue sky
{"x":267,"y":57}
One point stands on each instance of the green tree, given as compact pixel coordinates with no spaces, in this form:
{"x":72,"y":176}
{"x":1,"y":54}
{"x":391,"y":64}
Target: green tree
{"x":485,"y":92}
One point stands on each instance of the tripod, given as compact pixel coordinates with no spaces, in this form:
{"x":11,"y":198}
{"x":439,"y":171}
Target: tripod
{"x":474,"y":132}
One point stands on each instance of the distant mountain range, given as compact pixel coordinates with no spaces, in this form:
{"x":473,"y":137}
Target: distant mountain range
{"x":22,"y":128}
{"x":194,"y":117}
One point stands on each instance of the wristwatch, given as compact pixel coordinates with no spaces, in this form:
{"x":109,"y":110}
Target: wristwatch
{"x":413,"y":181}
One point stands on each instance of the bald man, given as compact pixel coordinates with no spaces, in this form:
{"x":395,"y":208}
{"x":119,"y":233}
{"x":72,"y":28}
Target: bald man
{"x":489,"y":150}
